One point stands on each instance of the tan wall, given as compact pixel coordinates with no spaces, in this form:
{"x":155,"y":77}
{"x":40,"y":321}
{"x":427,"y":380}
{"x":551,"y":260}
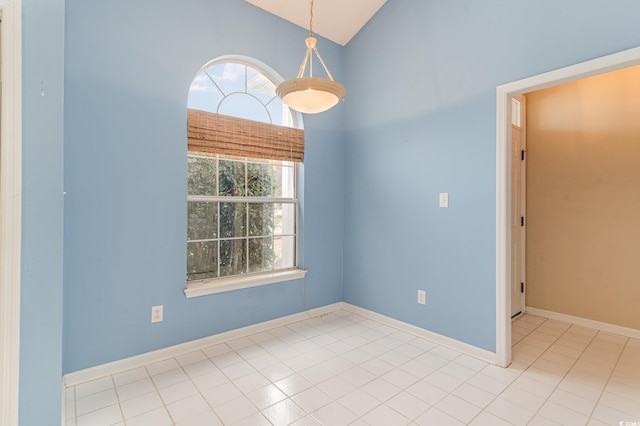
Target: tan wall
{"x":583,"y":198}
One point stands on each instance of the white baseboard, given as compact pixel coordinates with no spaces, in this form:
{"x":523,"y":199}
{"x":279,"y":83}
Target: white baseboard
{"x":584,"y":322}
{"x":457,"y":345}
{"x":93,"y":373}
{"x":137,"y":361}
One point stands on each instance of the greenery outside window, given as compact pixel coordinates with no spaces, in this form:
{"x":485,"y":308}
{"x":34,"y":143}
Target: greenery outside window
{"x":241,"y":216}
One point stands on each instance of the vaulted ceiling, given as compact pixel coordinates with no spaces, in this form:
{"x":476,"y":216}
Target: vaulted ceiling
{"x":336,"y":20}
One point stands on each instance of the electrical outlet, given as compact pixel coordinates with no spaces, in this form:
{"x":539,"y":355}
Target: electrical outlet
{"x":422,"y":297}
{"x":156,"y":313}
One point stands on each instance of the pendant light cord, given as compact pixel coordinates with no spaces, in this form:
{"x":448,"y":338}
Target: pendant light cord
{"x":311,"y":20}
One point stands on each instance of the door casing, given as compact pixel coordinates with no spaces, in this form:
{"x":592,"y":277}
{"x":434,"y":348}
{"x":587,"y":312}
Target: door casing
{"x":10,"y":208}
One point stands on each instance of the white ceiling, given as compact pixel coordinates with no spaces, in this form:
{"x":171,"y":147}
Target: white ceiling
{"x":336,"y":20}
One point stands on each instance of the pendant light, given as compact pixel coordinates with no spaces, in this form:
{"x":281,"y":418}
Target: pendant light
{"x":311,"y":94}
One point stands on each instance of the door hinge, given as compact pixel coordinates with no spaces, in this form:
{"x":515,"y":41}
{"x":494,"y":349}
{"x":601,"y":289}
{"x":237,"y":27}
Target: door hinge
{"x":521,"y":287}
{"x":521,"y":220}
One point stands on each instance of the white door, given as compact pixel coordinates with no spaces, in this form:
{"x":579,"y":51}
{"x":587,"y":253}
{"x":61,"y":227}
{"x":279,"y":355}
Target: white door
{"x":518,"y":219}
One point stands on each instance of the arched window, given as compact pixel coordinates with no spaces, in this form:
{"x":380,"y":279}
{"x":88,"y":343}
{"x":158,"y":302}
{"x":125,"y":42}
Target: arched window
{"x":242,"y":204}
{"x":239,"y":89}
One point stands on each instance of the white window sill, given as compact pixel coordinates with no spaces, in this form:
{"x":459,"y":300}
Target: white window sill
{"x":220,"y":285}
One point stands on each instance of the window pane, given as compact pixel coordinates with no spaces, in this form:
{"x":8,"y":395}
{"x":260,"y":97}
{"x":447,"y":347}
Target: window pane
{"x":232,"y":178}
{"x":261,"y":180}
{"x":284,"y":252}
{"x":261,"y":254}
{"x":230,"y":77}
{"x":282,"y":177}
{"x":202,"y":260}
{"x":201,"y":175}
{"x":288,"y":180}
{"x":280,"y":114}
{"x":202,"y":220}
{"x":233,"y":257}
{"x":242,"y":105}
{"x":285,"y":219}
{"x":276,"y":173}
{"x":261,"y":219}
{"x":233,"y":220}
{"x":203,"y":94}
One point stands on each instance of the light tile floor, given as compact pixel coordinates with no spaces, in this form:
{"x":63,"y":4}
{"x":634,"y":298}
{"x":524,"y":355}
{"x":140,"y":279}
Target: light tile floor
{"x":344,"y":369}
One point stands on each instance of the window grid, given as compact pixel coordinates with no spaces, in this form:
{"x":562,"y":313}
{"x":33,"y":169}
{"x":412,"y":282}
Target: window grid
{"x":292,"y":119}
{"x":246,"y":199}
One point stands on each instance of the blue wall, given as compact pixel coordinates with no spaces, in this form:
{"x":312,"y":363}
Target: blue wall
{"x":128,"y":69}
{"x":420,"y":120}
{"x":373,"y":168}
{"x":42,"y":212}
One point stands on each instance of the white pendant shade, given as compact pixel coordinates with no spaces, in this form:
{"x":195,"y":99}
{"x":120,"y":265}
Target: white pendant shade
{"x":311,"y":95}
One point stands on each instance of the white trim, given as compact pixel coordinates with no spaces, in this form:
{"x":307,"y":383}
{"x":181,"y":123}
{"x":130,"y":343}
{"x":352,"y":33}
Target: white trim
{"x":585,"y":322}
{"x":63,"y":393}
{"x":93,"y":373}
{"x":77,"y":377}
{"x":597,"y":66}
{"x":221,"y":285}
{"x":503,"y":230}
{"x":457,"y":345}
{"x":237,"y":199}
{"x":10,"y":209}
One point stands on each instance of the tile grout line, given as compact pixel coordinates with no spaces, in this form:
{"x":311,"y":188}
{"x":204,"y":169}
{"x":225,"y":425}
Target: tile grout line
{"x":231,"y":381}
{"x":75,"y":399}
{"x":155,"y":386}
{"x":378,"y":376}
{"x":509,"y":385}
{"x":435,"y":370}
{"x":626,"y":343}
{"x":568,"y":371}
{"x":536,"y":413}
{"x":113,"y":383}
{"x":336,"y":400}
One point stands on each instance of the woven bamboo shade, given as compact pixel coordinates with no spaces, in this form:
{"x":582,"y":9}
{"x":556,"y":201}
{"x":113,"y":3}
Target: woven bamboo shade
{"x":221,"y":134}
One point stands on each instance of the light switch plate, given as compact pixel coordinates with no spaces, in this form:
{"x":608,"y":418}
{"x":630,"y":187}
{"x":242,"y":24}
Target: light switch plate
{"x":444,"y":199}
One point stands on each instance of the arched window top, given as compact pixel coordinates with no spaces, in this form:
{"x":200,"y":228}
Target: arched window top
{"x":238,"y":88}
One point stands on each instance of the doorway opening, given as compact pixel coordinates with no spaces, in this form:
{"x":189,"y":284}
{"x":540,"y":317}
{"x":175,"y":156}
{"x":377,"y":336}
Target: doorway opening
{"x":504,"y":219}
